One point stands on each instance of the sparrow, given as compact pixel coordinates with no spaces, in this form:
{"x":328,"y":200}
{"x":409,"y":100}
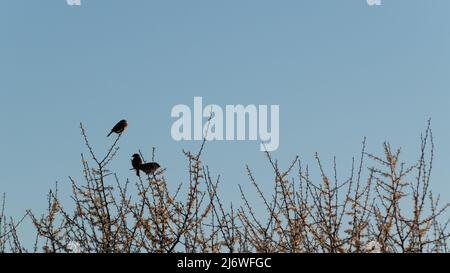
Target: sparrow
{"x":149,"y":168}
{"x":119,"y":127}
{"x":136,"y":162}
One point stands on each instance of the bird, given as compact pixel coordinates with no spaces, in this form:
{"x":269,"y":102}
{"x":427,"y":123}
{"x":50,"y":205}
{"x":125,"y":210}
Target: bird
{"x":136,"y":162}
{"x":149,"y":168}
{"x":119,"y":127}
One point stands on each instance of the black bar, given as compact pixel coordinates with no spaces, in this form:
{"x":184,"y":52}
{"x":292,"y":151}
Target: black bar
{"x":226,"y":262}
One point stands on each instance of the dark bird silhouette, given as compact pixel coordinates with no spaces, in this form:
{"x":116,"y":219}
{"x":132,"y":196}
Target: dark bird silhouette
{"x":136,"y":162}
{"x":149,"y":168}
{"x":119,"y":127}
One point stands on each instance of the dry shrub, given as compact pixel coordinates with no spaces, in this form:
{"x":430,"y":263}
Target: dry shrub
{"x":386,"y":207}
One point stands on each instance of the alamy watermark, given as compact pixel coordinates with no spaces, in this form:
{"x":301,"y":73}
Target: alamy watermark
{"x":374,"y":2}
{"x":234,"y":123}
{"x":73,"y":2}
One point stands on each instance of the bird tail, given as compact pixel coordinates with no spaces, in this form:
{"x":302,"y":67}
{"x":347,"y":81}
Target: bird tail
{"x":137,"y":173}
{"x":109,"y":134}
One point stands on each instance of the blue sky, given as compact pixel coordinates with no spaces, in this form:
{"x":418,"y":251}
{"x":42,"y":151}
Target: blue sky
{"x":340,"y":70}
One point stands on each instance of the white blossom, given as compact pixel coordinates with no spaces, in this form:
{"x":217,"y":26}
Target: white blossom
{"x":373,"y":247}
{"x":73,"y":247}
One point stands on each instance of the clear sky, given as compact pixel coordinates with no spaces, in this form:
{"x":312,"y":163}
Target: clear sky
{"x":340,"y":70}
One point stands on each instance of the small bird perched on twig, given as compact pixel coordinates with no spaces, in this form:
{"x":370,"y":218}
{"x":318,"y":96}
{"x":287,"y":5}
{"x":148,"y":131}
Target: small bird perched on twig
{"x":147,"y":168}
{"x":136,"y":162}
{"x":119,"y":127}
